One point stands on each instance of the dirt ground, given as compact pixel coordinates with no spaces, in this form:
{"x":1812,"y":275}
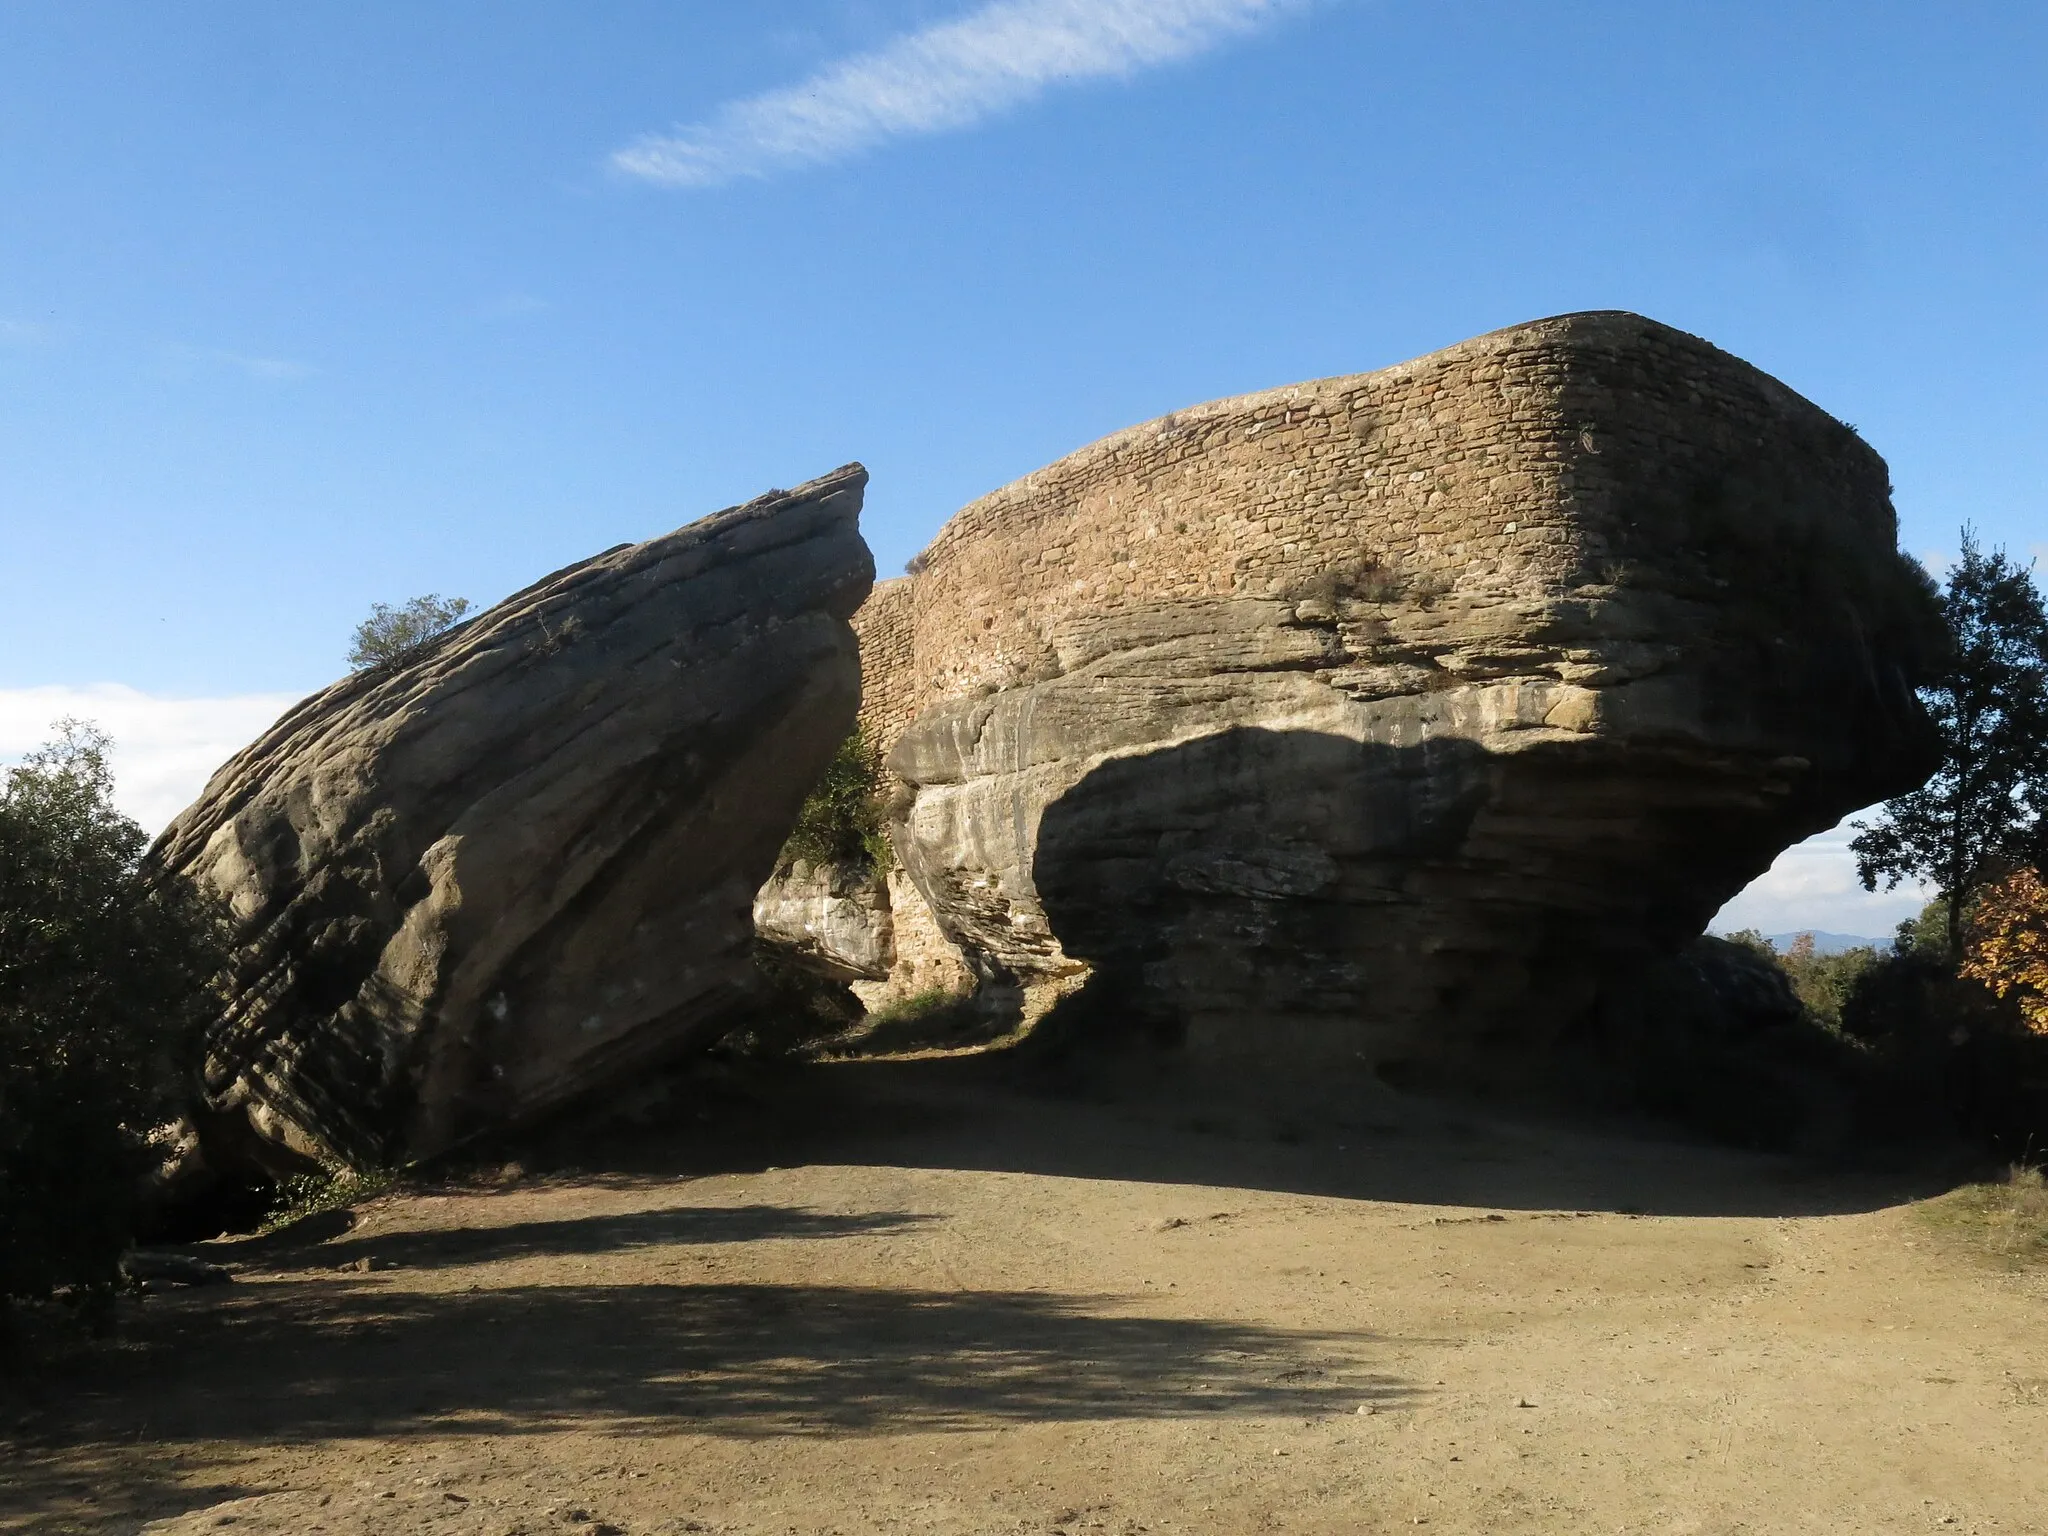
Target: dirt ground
{"x":914,"y":1301}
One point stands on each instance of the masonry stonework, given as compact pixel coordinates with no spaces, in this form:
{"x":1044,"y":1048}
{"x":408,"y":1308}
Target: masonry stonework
{"x":1363,"y":697}
{"x":1491,"y":470}
{"x":888,"y":661}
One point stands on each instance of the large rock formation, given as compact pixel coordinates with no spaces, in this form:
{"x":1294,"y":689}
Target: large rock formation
{"x":1399,"y":716}
{"x":519,"y":866}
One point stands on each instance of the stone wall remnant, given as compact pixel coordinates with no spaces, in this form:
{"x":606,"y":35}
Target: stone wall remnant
{"x":1396,"y":716}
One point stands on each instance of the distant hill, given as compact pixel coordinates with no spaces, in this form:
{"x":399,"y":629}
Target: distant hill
{"x":1827,"y":943}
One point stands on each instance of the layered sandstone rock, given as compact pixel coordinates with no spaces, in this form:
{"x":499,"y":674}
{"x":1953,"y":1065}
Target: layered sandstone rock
{"x":833,"y":920}
{"x":519,"y":867}
{"x":1398,"y":716}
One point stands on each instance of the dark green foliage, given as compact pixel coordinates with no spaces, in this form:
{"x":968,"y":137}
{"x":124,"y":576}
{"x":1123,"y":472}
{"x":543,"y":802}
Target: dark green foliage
{"x":1825,"y":983}
{"x":103,"y":973}
{"x":1980,"y":813}
{"x":1921,"y":1053}
{"x":1822,"y":984}
{"x":1927,"y":934}
{"x":1716,"y":1038}
{"x":794,"y":1008}
{"x":841,"y":821}
{"x":1944,"y":1056}
{"x":304,"y":1195}
{"x":391,"y":636}
{"x":1866,"y":1049}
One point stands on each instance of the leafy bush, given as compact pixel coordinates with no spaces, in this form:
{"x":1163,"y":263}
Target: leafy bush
{"x":841,"y":821}
{"x":1918,"y":1051}
{"x":1925,"y":935}
{"x":309,"y":1194}
{"x":1825,"y":983}
{"x":103,"y":991}
{"x":2008,"y":944}
{"x":390,"y":636}
{"x":1822,"y":983}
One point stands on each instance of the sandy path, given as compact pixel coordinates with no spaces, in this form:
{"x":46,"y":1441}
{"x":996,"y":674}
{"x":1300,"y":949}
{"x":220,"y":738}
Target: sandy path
{"x":960,"y":1311}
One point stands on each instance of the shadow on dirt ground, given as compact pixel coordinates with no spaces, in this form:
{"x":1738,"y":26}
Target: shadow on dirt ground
{"x":347,"y":1358}
{"x":625,"y":1328}
{"x":1360,"y":1140}
{"x":337,"y":1358}
{"x":690,"y":1225}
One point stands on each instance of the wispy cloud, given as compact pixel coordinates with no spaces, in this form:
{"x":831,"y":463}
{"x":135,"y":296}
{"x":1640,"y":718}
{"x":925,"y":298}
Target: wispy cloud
{"x":510,"y":306}
{"x":271,"y":368}
{"x":22,"y":333}
{"x":165,"y":749}
{"x":948,"y":76}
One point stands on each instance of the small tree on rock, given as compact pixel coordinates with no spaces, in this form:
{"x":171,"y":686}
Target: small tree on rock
{"x":841,"y":821}
{"x":391,"y":636}
{"x":1980,"y":815}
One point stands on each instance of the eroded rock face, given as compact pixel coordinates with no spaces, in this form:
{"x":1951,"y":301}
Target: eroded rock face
{"x":521,"y":866}
{"x":1395,"y":717}
{"x":830,"y":919}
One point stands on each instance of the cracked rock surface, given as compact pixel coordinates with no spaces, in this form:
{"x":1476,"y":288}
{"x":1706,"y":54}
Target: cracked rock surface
{"x":518,"y":867}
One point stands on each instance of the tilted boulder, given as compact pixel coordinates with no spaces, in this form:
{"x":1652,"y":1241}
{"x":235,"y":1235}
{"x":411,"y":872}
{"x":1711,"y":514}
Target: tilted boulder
{"x":1400,"y":717}
{"x":519,"y":866}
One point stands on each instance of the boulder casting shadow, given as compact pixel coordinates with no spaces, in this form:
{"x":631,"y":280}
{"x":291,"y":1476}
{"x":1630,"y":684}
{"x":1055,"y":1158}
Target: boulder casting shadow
{"x":1313,"y":910}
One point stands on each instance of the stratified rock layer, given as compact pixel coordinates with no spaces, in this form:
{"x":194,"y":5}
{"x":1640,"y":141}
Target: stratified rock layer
{"x":520,"y":866}
{"x":831,"y":920}
{"x":1398,"y":716}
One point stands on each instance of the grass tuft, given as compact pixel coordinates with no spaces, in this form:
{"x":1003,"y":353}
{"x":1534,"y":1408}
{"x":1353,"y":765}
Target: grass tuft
{"x":2005,"y":1220}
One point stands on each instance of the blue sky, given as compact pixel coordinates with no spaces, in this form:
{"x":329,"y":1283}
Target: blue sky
{"x":307,"y":307}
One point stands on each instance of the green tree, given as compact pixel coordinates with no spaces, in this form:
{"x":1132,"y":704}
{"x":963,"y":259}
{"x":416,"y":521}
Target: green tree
{"x":1825,"y":983}
{"x":1980,"y":814}
{"x":1925,"y":935}
{"x":103,"y":989}
{"x":391,"y":636}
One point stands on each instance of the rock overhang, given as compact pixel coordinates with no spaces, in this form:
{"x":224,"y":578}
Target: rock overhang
{"x":1632,"y":602}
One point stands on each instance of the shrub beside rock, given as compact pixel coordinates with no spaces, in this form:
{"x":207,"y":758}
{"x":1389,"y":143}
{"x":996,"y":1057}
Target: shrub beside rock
{"x":103,"y":975}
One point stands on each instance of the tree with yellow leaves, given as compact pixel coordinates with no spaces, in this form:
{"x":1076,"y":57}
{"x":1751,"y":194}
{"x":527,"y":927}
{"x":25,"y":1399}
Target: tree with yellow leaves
{"x":2007,"y":948}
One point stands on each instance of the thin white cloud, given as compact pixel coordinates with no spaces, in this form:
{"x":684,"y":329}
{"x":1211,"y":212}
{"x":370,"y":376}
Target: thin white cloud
{"x":948,"y":76}
{"x":1813,"y":887}
{"x":22,"y":333}
{"x":511,"y":306}
{"x":165,"y":749}
{"x":269,"y":368}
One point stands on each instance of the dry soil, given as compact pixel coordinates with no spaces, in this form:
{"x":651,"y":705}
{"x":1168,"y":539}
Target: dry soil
{"x":909,"y":1300}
